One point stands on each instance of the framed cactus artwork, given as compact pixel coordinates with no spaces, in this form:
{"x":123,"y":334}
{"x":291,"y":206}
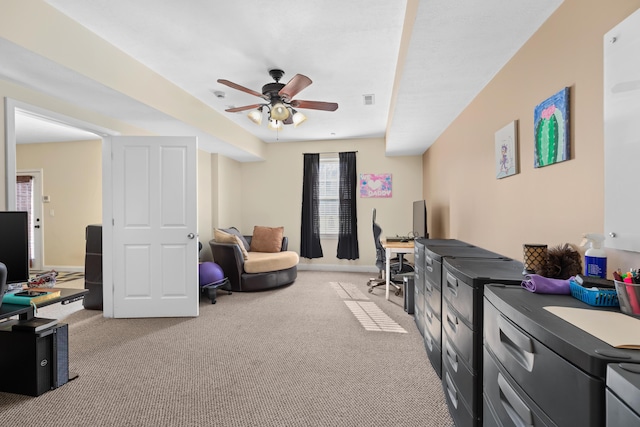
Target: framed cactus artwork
{"x":551,"y":130}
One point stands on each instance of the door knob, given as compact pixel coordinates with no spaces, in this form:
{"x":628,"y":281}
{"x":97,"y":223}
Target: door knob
{"x":191,"y":235}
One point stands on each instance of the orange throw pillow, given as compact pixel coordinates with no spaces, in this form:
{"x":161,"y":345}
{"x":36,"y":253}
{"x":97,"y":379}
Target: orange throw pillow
{"x":267,"y":239}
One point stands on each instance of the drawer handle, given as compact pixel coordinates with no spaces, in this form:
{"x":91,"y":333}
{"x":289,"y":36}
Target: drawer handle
{"x":429,"y":269}
{"x":517,"y":344}
{"x":517,"y":410}
{"x":428,"y":340}
{"x":427,"y":286}
{"x":451,"y":355}
{"x":428,"y":311}
{"x":451,"y":390}
{"x":453,"y":322}
{"x":452,"y":284}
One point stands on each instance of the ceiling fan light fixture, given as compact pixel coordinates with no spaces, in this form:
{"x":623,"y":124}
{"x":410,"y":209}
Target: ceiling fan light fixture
{"x":256,"y":116}
{"x":298,"y":118}
{"x":275,"y":124}
{"x":279,"y":112}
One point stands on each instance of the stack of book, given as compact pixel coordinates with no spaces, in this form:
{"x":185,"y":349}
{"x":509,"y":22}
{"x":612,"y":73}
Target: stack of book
{"x":31,"y":296}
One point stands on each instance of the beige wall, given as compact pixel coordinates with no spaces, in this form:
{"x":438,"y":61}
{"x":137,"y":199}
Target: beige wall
{"x":272,"y":195}
{"x":554,"y":204}
{"x":72,"y":178}
{"x":205,"y":227}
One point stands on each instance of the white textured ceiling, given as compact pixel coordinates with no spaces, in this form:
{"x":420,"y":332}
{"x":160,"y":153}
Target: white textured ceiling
{"x":348,"y":48}
{"x":31,"y":129}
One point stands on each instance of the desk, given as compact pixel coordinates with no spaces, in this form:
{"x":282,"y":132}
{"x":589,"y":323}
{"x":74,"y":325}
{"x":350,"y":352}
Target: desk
{"x":67,"y":295}
{"x":394,"y":248}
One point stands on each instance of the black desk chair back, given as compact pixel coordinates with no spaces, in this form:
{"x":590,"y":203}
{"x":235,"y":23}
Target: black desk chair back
{"x":397,"y":264}
{"x":3,"y":280}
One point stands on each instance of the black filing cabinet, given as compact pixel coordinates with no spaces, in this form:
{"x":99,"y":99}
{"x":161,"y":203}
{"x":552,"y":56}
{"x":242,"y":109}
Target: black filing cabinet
{"x":434,"y":256}
{"x":541,"y":370}
{"x":463,"y":281}
{"x":428,"y":321}
{"x":418,"y":284}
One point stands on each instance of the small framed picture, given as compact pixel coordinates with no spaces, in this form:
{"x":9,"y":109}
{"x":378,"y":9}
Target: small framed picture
{"x":506,"y":157}
{"x":375,"y":185}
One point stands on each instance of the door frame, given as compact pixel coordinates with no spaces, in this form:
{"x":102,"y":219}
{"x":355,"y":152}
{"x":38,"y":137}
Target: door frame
{"x":11,"y":106}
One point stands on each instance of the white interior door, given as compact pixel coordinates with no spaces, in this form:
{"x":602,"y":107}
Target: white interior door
{"x":154,"y":227}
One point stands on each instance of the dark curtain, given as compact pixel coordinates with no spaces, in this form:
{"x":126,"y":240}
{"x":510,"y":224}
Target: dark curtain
{"x":310,"y":229}
{"x":348,"y":229}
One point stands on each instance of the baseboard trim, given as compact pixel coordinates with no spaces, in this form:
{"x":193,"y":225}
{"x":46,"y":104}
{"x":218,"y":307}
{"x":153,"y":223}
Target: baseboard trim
{"x":65,"y":268}
{"x":338,"y":267}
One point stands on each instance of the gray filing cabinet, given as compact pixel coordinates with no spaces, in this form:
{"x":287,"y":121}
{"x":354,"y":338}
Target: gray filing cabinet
{"x":463,"y":281}
{"x":542,"y":370}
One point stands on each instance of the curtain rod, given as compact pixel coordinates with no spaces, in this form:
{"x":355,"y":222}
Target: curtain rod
{"x":331,"y":152}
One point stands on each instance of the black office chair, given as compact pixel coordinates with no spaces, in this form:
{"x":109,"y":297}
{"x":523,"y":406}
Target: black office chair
{"x":398,"y":264}
{"x":3,"y":280}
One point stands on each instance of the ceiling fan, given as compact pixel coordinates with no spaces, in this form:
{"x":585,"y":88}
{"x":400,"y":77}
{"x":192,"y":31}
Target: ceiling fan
{"x":280,"y":105}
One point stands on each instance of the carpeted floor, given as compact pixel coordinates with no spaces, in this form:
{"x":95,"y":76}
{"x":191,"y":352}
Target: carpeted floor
{"x":320,"y":352}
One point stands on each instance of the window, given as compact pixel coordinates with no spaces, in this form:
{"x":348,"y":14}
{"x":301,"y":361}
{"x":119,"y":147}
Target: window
{"x":329,"y":181}
{"x":24,"y":202}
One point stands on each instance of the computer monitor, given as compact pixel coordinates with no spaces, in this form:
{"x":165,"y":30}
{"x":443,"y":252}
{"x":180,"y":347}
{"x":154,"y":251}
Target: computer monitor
{"x":14,"y":245}
{"x":420,"y":219}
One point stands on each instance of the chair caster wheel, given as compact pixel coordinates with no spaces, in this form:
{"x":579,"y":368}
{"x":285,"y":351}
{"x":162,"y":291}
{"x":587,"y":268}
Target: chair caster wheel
{"x":398,"y":292}
{"x":370,"y":290}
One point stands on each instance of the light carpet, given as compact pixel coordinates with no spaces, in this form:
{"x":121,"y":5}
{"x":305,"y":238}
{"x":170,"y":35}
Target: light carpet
{"x":293,"y":356}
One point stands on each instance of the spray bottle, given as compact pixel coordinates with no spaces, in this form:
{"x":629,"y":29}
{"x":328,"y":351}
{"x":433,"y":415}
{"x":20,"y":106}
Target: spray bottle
{"x":595,"y":258}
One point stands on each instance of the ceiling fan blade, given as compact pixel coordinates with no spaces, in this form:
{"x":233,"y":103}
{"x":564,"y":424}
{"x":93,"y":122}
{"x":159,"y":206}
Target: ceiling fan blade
{"x":295,"y":85}
{"x":246,"y":107}
{"x":241,"y":88}
{"x":315,"y":105}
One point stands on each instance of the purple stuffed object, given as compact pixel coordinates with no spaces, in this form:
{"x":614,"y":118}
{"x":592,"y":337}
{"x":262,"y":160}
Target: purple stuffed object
{"x":545,"y":285}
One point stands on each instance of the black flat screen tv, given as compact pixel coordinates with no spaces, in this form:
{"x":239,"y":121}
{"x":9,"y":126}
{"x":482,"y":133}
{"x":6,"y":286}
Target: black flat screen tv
{"x":14,"y":245}
{"x":420,"y":220}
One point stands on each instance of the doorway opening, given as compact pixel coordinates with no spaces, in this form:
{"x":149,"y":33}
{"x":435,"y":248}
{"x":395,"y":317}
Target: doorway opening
{"x":15,"y":114}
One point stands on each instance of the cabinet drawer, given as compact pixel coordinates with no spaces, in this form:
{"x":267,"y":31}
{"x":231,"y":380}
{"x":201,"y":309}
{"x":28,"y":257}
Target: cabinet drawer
{"x":462,"y":416}
{"x":618,"y":413}
{"x":433,"y":270}
{"x":418,"y":317}
{"x":506,"y":402}
{"x":432,"y":346}
{"x":418,"y":258}
{"x":418,"y":298}
{"x":466,"y":341}
{"x":569,"y":396}
{"x":433,"y":325}
{"x":465,"y":381}
{"x":461,"y":297}
{"x":433,"y":298}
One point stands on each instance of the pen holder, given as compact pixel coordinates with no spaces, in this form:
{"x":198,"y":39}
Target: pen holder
{"x":534,"y":257}
{"x":629,"y":297}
